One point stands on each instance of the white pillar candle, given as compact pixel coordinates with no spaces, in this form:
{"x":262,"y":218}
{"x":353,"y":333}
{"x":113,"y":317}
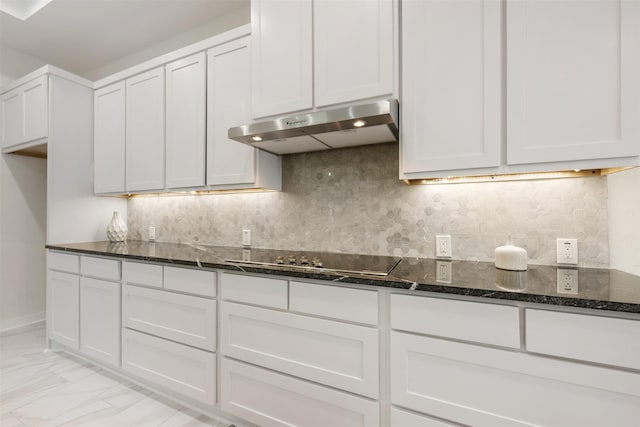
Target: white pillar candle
{"x":510,"y":257}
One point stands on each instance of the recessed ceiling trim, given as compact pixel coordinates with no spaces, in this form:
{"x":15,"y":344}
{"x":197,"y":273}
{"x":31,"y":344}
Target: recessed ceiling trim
{"x":22,"y":9}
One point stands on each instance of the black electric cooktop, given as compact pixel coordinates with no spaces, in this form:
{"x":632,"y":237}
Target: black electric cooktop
{"x":375,"y":265}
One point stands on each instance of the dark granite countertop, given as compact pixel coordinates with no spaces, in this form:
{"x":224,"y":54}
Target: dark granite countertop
{"x":600,"y":289}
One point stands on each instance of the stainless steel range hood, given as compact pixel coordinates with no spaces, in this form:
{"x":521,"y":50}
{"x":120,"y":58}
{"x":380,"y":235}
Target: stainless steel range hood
{"x":364,"y":124}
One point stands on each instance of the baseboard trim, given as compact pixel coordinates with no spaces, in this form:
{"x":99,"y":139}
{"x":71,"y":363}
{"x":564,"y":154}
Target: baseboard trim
{"x":11,"y":325}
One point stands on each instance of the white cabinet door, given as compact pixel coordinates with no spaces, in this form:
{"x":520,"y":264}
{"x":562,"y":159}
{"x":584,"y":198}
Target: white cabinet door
{"x":228,"y":105}
{"x":145,"y":131}
{"x":35,"y":109}
{"x":488,"y":387}
{"x":109,"y":139}
{"x":281,"y":39}
{"x":451,"y":85}
{"x":25,"y":112}
{"x":353,"y":50}
{"x":573,"y":91}
{"x":63,"y":305}
{"x":332,"y":353}
{"x":185,"y":121}
{"x":176,"y":367}
{"x":12,"y":117}
{"x":268,"y":399}
{"x":100,"y":320}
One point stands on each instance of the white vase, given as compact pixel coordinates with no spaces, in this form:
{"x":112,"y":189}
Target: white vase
{"x":117,"y":229}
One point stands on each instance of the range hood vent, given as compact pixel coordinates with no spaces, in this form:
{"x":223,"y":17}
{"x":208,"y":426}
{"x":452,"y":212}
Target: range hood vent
{"x":323,"y":130}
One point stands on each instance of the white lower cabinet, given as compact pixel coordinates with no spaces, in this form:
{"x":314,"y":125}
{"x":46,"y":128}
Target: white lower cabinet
{"x":100,"y":320}
{"x":301,"y":354}
{"x":63,"y":302}
{"x":179,"y":368}
{"x":184,"y":318}
{"x":270,"y":399}
{"x":328,"y":352}
{"x":481,"y":386}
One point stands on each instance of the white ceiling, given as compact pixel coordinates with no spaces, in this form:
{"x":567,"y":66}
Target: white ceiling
{"x":82,"y":35}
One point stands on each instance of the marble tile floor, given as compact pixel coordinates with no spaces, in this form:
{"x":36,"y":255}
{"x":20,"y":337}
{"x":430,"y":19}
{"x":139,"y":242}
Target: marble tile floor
{"x":46,"y":389}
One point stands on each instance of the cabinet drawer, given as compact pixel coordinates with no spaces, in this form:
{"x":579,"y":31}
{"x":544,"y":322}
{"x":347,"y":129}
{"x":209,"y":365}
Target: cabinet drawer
{"x":332,"y":353}
{"x":481,"y":386}
{"x":354,"y":305}
{"x":470,"y":321}
{"x":269,"y":399}
{"x":191,"y":281}
{"x":176,"y":367}
{"x":142,"y":274}
{"x":592,"y":338}
{"x":183,"y":318}
{"x":402,"y":418}
{"x":101,"y":268}
{"x":63,"y":262}
{"x":255,"y":290}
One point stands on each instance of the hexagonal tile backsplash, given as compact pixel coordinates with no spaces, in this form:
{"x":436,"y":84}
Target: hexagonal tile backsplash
{"x":351,"y":200}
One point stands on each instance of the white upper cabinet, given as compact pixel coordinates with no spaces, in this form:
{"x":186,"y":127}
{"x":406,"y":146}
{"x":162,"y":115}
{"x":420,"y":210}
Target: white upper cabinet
{"x":451,"y":95}
{"x":573,"y":90}
{"x":281,"y":34}
{"x":35,"y":109}
{"x":353,"y":50}
{"x":315,"y":53}
{"x":229,"y":104}
{"x":25,"y":113}
{"x":567,"y":70}
{"x":185,"y":121}
{"x":12,"y":117}
{"x":145,"y":131}
{"x":109,"y":139}
{"x":162,"y":125}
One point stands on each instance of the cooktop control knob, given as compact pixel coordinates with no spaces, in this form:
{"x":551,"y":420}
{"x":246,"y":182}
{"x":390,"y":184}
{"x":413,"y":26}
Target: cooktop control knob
{"x":304,"y":260}
{"x":316,"y":262}
{"x":292,"y":259}
{"x":280,"y":260}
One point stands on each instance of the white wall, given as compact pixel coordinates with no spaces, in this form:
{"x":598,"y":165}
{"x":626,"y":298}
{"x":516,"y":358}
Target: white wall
{"x":14,"y":64}
{"x":624,"y":220}
{"x":23,"y":195}
{"x":217,"y":26}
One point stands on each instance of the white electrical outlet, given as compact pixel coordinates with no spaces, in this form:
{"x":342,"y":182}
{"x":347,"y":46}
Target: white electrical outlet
{"x":443,"y":271}
{"x":567,"y":251}
{"x":568,"y":281}
{"x":246,"y":237}
{"x":443,"y":246}
{"x":152,"y":233}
